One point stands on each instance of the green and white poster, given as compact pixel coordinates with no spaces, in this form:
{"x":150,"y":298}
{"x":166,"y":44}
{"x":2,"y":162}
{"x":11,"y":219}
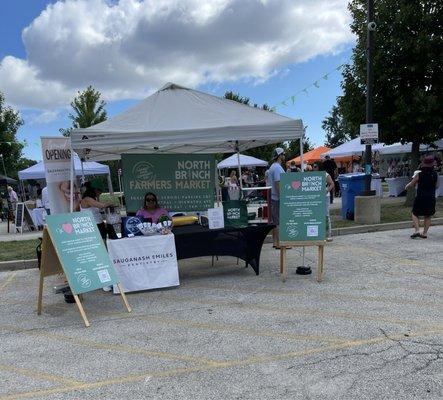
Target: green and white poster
{"x":302,"y":206}
{"x":81,"y":251}
{"x":181,"y":182}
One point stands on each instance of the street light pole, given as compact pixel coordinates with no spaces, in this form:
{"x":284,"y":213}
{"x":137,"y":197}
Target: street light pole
{"x":369,"y":84}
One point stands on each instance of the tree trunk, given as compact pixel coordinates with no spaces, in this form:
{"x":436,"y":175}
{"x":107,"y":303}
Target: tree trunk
{"x":415,"y":159}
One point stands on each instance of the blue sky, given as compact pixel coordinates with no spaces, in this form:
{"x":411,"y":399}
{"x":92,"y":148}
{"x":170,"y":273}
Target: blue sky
{"x":46,"y":56}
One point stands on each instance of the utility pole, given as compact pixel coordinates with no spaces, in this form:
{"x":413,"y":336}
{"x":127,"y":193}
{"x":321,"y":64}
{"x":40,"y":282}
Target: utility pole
{"x":371,"y":26}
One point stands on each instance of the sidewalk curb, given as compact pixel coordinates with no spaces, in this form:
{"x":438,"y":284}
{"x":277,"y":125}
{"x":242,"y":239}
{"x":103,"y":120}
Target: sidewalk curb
{"x":379,"y":227}
{"x":18,"y":264}
{"x":28,"y":264}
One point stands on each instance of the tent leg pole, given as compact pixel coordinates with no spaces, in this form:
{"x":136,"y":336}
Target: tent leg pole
{"x":71,"y":194}
{"x":239,"y":166}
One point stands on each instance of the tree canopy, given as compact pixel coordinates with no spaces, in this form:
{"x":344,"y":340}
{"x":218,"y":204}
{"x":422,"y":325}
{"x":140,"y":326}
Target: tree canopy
{"x":265,"y":152}
{"x":10,"y":147}
{"x":408,"y":74}
{"x":88,"y":108}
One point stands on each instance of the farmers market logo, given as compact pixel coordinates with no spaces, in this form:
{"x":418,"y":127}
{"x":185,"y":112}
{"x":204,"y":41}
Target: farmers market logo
{"x":143,"y":171}
{"x":84,"y":281}
{"x":144,"y":178}
{"x":292,"y":231}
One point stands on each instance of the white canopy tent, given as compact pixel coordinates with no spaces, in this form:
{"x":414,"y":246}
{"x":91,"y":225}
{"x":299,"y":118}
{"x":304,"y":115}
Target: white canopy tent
{"x":398,"y":148}
{"x":180,"y":120}
{"x":37,"y":171}
{"x":351,"y":148}
{"x":245,"y":161}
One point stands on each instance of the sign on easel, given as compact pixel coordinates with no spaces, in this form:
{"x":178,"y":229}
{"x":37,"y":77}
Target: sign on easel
{"x":19,"y":212}
{"x":80,"y":252}
{"x":28,"y":218}
{"x":303,"y":214}
{"x":23,"y":218}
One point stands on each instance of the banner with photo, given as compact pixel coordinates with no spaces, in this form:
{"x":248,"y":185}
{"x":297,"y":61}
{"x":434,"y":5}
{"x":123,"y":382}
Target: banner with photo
{"x":145,"y":262}
{"x":181,"y":182}
{"x":57,"y":163}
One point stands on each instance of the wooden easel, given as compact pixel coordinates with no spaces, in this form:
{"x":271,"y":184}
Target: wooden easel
{"x":320,"y":262}
{"x":50,"y":265}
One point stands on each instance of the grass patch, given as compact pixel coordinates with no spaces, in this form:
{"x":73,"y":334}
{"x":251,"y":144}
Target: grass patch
{"x":389,"y":213}
{"x":18,"y":250}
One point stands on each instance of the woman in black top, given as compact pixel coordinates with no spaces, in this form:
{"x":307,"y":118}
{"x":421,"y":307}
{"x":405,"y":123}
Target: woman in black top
{"x":424,"y":203}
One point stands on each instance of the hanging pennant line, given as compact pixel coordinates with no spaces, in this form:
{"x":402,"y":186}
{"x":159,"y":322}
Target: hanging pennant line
{"x":305,"y":90}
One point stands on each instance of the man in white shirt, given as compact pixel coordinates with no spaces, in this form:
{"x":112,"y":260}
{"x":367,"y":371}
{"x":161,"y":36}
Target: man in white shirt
{"x":13,"y":198}
{"x":274,"y":173}
{"x":45,"y":200}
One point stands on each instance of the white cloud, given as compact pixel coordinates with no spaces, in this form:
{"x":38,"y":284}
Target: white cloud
{"x":128,"y":48}
{"x":43,"y":117}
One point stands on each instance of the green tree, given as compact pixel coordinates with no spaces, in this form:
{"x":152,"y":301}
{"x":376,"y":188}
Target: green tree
{"x":337,"y":131}
{"x":408,"y":72}
{"x":261,"y":152}
{"x":10,"y":148}
{"x":293,"y":148}
{"x":89,"y":110}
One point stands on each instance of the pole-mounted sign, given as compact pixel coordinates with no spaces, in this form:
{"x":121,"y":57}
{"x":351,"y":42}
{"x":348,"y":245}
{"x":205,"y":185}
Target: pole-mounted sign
{"x":368,"y":133}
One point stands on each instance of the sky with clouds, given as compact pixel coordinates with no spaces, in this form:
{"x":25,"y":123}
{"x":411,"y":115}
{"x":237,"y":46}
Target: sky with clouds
{"x":267,"y":50}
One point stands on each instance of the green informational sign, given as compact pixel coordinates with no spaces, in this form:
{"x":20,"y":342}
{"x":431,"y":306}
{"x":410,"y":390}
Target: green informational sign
{"x":302,"y":206}
{"x":182,"y":182}
{"x":81,"y":251}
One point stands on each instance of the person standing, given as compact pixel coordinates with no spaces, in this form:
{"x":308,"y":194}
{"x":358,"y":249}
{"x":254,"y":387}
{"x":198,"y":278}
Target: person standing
{"x":424,"y":203}
{"x":45,"y":200}
{"x":274,"y":173}
{"x":330,"y":167}
{"x":90,"y":201}
{"x":233,"y":179}
{"x":13,"y":198}
{"x":292,"y":167}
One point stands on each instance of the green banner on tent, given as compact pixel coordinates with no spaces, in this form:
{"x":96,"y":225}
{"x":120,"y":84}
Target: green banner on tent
{"x":182,"y":182}
{"x":81,"y":251}
{"x":302,"y":206}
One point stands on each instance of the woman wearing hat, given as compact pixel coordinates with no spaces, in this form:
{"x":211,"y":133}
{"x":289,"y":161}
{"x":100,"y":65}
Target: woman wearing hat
{"x":426,"y":181}
{"x":90,"y":201}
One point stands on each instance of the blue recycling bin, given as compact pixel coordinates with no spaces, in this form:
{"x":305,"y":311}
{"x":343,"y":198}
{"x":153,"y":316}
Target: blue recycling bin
{"x":350,"y":186}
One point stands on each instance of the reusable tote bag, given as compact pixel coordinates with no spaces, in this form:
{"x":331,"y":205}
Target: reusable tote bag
{"x":235,"y":213}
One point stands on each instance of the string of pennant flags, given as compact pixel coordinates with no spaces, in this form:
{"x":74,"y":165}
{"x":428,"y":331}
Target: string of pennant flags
{"x":305,"y":90}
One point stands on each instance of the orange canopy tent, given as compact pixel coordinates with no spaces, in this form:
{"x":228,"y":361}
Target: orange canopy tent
{"x":310,"y":156}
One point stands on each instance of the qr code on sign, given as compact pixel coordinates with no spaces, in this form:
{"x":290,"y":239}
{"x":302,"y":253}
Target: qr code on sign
{"x":312,"y":230}
{"x":103,"y":275}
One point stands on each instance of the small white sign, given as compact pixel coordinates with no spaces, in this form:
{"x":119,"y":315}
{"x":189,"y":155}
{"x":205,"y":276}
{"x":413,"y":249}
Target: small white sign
{"x":215,"y":218}
{"x":368,"y":133}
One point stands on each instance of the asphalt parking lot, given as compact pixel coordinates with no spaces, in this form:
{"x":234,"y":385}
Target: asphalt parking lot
{"x":371,"y":330}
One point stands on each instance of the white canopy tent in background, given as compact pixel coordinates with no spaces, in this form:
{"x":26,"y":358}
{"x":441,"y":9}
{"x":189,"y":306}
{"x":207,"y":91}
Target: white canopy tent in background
{"x":180,"y":120}
{"x":398,"y":148}
{"x":245,"y":161}
{"x":354,"y":148}
{"x":37,"y":171}
{"x":351,"y":148}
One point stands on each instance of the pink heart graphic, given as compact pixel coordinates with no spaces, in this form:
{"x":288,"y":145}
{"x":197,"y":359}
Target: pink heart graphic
{"x":296,"y":185}
{"x":67,"y":228}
